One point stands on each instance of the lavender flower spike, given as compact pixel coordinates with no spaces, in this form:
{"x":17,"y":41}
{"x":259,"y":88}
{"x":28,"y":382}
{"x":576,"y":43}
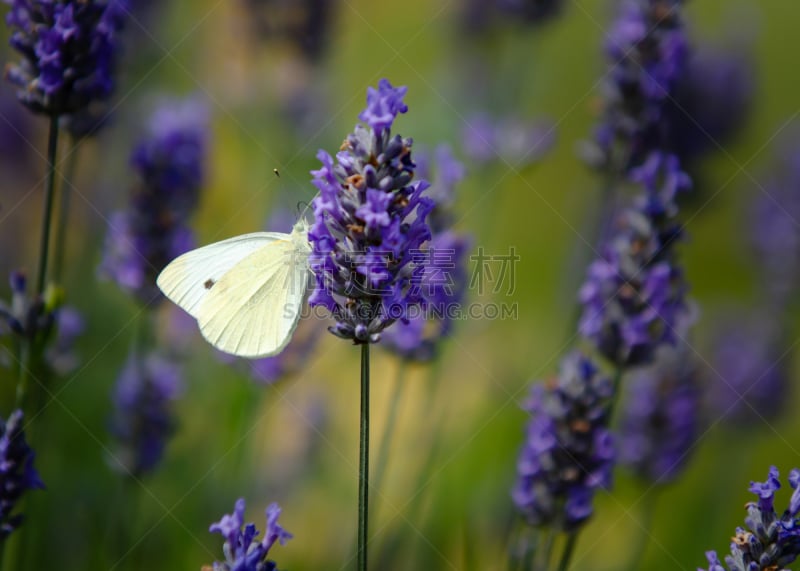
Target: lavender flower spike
{"x":17,"y":473}
{"x":68,"y":52}
{"x":647,"y":52}
{"x":170,"y":164}
{"x":750,"y":382}
{"x":660,"y":420}
{"x":569,"y":452}
{"x":633,"y":296}
{"x":770,"y":541}
{"x":143,"y":420}
{"x":370,"y":224}
{"x":241,"y":552}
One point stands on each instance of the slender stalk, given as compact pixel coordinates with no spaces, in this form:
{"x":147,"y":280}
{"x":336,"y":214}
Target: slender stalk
{"x":28,"y":349}
{"x":63,"y":212}
{"x":615,"y":396}
{"x":388,"y":432}
{"x":569,"y":549}
{"x":24,"y":363}
{"x":647,"y":523}
{"x":541,"y":561}
{"x":50,"y":187}
{"x":524,"y":546}
{"x":363,"y":461}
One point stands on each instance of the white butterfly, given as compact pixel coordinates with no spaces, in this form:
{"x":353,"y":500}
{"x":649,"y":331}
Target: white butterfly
{"x":246,"y":292}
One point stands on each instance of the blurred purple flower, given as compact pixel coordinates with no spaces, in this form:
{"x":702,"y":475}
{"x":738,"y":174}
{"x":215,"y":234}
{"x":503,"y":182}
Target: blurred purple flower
{"x":60,"y":354}
{"x":449,"y":172}
{"x":634,"y":294}
{"x":775,"y":228}
{"x":770,"y":541}
{"x":748,"y":382}
{"x":143,"y":418}
{"x":647,"y":53}
{"x":304,"y":24}
{"x":28,"y":317}
{"x":510,"y":140}
{"x":568,"y":453}
{"x":481,"y":16}
{"x":242,"y":553}
{"x":292,"y":359}
{"x":711,"y":101}
{"x":370,"y":224}
{"x":16,"y":132}
{"x":531,"y":11}
{"x":661,"y":415}
{"x":68,"y":51}
{"x":170,"y":162}
{"x":17,"y":473}
{"x":662,"y":180}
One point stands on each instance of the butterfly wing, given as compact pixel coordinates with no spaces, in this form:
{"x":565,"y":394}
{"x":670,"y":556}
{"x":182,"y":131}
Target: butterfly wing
{"x":254,"y":308}
{"x":189,"y":278}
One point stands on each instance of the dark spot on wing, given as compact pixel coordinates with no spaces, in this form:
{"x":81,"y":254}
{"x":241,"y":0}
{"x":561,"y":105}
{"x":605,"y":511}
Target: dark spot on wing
{"x":209,"y":283}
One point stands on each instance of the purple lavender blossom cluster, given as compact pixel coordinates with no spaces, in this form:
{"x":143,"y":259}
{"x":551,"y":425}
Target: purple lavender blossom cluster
{"x":569,"y":451}
{"x":647,"y":51}
{"x":170,"y":163}
{"x":634,"y":295}
{"x":68,"y":52}
{"x":370,"y":224}
{"x":770,"y":540}
{"x":242,"y":552}
{"x":17,"y":473}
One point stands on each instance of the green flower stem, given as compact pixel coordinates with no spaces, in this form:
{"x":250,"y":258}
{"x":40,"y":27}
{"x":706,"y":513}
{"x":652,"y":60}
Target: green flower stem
{"x":615,"y":397}
{"x":523,"y":545}
{"x":388,"y":432}
{"x":569,"y":549}
{"x":63,"y":211}
{"x":28,"y":349}
{"x":50,"y":188}
{"x":363,"y":461}
{"x":646,"y":523}
{"x":543,"y":554}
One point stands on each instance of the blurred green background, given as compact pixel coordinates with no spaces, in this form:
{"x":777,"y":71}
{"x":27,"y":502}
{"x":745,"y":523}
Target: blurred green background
{"x":295,"y":442}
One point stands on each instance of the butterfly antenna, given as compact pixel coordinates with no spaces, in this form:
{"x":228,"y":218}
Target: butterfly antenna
{"x":305,"y":205}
